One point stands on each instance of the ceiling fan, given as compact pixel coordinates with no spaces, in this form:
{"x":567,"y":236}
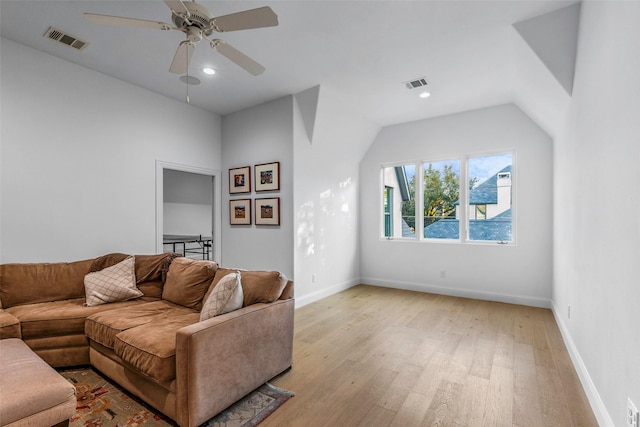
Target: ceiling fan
{"x":198,"y":23}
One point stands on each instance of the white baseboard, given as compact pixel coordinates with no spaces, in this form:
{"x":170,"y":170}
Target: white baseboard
{"x":323,"y":293}
{"x":597,"y":405}
{"x":465,"y":293}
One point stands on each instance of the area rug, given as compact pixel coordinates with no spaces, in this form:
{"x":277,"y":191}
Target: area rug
{"x":102,"y":403}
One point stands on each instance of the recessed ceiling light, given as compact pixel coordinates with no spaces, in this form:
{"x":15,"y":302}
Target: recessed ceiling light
{"x":424,"y":94}
{"x":209,"y":71}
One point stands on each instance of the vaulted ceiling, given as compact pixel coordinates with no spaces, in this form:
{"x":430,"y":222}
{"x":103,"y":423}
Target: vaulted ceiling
{"x":470,"y":52}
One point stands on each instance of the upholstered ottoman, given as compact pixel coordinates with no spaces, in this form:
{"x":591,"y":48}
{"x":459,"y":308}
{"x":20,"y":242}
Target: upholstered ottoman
{"x":32,"y":393}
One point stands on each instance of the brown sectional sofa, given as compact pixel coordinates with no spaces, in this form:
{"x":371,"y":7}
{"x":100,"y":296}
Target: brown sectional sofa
{"x":155,"y":346}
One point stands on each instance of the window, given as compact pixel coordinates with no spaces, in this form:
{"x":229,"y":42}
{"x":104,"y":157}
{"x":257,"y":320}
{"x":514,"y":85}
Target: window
{"x":399,"y":188}
{"x":441,"y":194}
{"x":490,"y":190}
{"x":466,"y":200}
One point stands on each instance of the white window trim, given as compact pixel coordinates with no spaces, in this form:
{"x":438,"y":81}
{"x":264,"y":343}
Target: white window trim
{"x":464,"y":195}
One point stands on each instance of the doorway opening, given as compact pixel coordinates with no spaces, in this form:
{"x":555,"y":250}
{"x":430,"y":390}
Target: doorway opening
{"x":187,"y":211}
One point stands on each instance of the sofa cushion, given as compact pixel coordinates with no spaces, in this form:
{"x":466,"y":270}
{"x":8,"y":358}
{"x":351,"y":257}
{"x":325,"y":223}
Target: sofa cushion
{"x":150,"y":270}
{"x":257,"y":286}
{"x":188,"y":281}
{"x":107,"y":260}
{"x":58,"y":318}
{"x":151,"y":348}
{"x":9,"y":326}
{"x":104,"y":326}
{"x":115,"y":283}
{"x":226,"y":296}
{"x":42,"y":282}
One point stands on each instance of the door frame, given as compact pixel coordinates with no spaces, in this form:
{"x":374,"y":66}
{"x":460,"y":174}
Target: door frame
{"x":216,"y":212}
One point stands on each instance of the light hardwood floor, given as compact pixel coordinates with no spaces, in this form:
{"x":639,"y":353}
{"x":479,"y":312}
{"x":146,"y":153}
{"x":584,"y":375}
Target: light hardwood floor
{"x":372,"y":356}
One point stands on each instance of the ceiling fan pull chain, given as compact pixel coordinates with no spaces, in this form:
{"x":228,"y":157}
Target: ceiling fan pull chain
{"x":187,"y":60}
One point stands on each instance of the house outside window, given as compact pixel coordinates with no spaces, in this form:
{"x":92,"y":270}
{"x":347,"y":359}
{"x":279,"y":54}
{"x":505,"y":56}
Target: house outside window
{"x":491,"y":189}
{"x":478,"y":211}
{"x":399,"y":201}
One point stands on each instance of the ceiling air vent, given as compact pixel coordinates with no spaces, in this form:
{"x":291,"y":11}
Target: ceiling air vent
{"x":419,"y":82}
{"x":65,"y":38}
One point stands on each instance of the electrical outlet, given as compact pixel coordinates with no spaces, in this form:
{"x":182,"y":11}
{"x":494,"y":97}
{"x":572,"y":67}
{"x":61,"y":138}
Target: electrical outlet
{"x":632,"y":414}
{"x":443,"y":274}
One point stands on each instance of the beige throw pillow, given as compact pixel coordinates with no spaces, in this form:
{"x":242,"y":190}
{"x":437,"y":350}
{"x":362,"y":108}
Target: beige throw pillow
{"x":115,"y":283}
{"x":226,"y":297}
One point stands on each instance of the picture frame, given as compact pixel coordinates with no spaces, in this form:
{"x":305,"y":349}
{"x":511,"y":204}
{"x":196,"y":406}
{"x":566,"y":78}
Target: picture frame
{"x":267,"y":211}
{"x":240,"y":212}
{"x":267,"y":176}
{"x":240,"y":180}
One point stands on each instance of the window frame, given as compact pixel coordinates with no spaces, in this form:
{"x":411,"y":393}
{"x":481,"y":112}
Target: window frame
{"x":383,"y":186}
{"x":388,"y":211}
{"x":463,"y":214}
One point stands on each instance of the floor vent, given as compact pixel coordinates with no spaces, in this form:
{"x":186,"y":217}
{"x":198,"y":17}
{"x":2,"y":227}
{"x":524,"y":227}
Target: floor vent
{"x":65,"y":38}
{"x":419,"y":82}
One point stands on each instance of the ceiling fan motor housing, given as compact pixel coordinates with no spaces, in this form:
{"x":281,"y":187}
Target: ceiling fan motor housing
{"x":199,"y":17}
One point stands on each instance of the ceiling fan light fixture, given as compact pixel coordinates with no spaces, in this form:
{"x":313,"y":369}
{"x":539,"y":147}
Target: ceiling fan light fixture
{"x":208,"y":70}
{"x":190,"y":80}
{"x":197,"y":23}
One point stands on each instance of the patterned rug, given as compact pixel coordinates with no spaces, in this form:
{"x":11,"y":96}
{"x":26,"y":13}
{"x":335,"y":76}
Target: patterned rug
{"x":101,"y":403}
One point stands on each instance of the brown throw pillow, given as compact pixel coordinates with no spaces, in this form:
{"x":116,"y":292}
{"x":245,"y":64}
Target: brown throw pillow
{"x":262,"y":286}
{"x":187,"y":281}
{"x":107,"y":260}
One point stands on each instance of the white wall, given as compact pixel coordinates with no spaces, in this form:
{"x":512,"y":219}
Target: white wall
{"x":318,"y":235}
{"x":79,"y":153}
{"x":597,"y":200}
{"x":326,"y":197}
{"x":520,"y":273}
{"x":260,"y":134}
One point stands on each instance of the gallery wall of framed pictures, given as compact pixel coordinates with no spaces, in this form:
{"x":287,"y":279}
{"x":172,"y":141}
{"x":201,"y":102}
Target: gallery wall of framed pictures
{"x":266,"y":210}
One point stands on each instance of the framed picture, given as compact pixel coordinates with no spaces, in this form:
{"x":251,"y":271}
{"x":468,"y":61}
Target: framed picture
{"x":268,"y":176}
{"x":240,"y":180}
{"x":268,"y":211}
{"x":240,"y":212}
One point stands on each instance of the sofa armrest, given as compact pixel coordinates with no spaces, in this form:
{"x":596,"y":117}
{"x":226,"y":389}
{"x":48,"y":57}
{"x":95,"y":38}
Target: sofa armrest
{"x":224,"y":358}
{"x":9,"y":326}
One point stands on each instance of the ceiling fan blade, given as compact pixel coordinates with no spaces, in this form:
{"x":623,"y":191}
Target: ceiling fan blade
{"x":181,"y":59}
{"x":126,"y":22}
{"x":254,"y":18}
{"x":177,"y":6}
{"x":238,"y":57}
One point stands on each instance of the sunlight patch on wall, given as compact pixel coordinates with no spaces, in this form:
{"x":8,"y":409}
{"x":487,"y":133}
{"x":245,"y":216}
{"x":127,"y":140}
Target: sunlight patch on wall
{"x":304,"y":234}
{"x":325,"y":198}
{"x":344,"y":185}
